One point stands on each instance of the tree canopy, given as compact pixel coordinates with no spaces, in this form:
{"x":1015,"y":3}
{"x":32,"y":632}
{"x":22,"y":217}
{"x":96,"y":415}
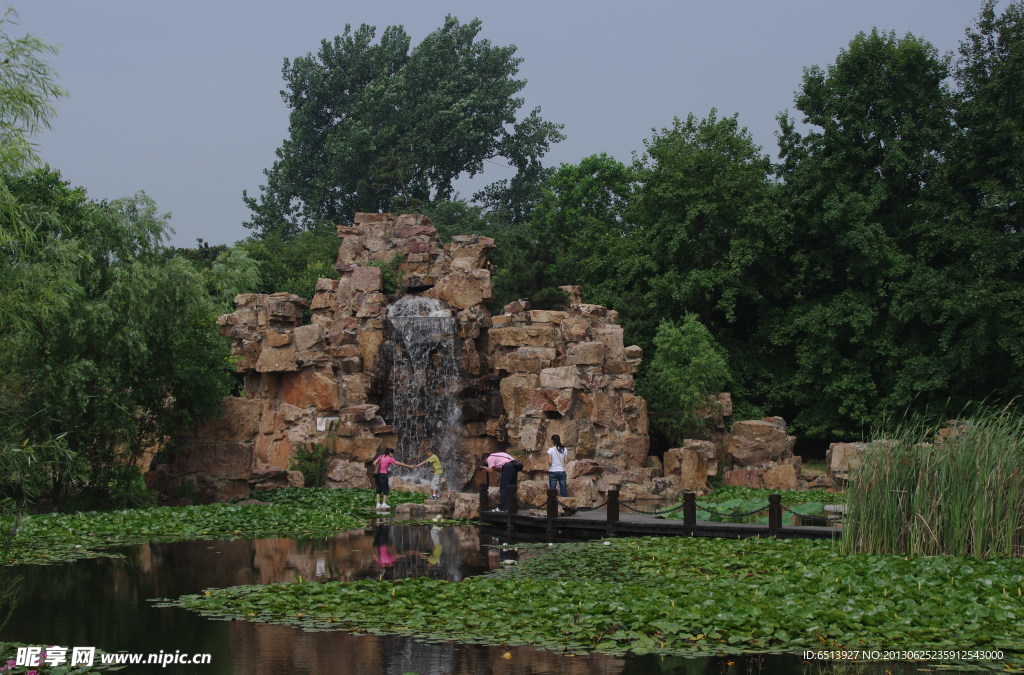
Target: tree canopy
{"x":377,"y":126}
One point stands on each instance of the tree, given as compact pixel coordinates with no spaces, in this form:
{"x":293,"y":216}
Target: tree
{"x":989,"y":156}
{"x":293,"y":265}
{"x":129,"y":357}
{"x":687,"y":366}
{"x":705,"y":232}
{"x":979,"y":245}
{"x":570,"y":237}
{"x":34,"y":271}
{"x":375,"y":126}
{"x":863,"y":188}
{"x":27,"y":91}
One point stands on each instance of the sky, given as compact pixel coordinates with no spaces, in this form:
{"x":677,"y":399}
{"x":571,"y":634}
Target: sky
{"x":182,"y":99}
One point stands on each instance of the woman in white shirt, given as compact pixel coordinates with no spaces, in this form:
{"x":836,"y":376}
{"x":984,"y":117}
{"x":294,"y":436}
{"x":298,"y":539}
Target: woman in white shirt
{"x":556,"y":466}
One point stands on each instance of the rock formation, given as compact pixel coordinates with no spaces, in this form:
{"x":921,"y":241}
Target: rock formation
{"x":344,"y":378}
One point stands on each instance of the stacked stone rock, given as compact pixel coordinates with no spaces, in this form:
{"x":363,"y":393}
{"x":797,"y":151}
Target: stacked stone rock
{"x":527,"y":374}
{"x":754,"y":453}
{"x":568,"y":373}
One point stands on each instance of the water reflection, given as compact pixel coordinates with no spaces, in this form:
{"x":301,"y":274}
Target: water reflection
{"x":104,"y":603}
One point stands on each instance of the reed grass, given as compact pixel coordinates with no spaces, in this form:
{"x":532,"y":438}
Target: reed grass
{"x":917,"y":492}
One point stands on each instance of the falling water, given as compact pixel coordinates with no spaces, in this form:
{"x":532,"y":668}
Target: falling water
{"x":425,"y":384}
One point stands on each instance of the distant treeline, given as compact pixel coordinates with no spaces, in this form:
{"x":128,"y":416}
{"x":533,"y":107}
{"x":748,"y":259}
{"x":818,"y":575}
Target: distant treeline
{"x":874,"y":267}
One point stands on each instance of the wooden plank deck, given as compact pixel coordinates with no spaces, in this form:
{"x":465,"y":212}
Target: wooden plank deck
{"x":594,"y":524}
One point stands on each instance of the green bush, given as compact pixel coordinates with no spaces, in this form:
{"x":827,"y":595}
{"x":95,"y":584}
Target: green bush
{"x":313,"y":460}
{"x":390,"y":276}
{"x":688,"y":366}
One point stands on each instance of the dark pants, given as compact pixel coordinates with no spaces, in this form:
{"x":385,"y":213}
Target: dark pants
{"x":509,"y":477}
{"x":557,"y":479}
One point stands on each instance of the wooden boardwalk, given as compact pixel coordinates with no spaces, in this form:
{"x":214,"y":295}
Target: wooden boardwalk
{"x":611,"y":522}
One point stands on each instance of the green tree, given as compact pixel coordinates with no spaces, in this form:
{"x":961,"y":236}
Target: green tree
{"x":688,"y":365}
{"x":34,"y":270}
{"x":978,"y":244}
{"x":571,"y":236}
{"x":988,"y":157}
{"x":28,"y":89}
{"x":375,"y":126}
{"x":130,"y":356}
{"x":706,"y":231}
{"x":293,"y":265}
{"x":863,"y":188}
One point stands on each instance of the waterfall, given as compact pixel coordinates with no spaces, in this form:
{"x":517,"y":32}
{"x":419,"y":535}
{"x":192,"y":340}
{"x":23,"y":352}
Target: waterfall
{"x":425,"y":385}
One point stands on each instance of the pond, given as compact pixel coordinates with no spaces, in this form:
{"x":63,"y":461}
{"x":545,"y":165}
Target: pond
{"x":105,"y":603}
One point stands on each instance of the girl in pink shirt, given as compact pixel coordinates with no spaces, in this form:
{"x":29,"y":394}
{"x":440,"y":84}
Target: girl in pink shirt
{"x":381,"y":466}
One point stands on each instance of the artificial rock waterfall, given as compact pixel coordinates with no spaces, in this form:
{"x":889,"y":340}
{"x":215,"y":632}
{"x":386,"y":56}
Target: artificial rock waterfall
{"x":426,"y":366}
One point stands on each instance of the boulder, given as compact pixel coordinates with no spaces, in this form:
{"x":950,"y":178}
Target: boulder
{"x":562,"y":377}
{"x":220,"y":460}
{"x":274,"y":478}
{"x":582,"y":467}
{"x":466,"y":506}
{"x":308,"y":337}
{"x":463,"y":289}
{"x":533,"y":493}
{"x":366,"y":279}
{"x":540,"y":335}
{"x":583,"y":491}
{"x":843,"y":458}
{"x":674,"y":456}
{"x":782,"y":477}
{"x":693,"y":472}
{"x":573,"y":294}
{"x":743,"y":478}
{"x":585,"y":353}
{"x":279,"y":359}
{"x":343,"y":473}
{"x":755,"y":442}
{"x":236,"y":419}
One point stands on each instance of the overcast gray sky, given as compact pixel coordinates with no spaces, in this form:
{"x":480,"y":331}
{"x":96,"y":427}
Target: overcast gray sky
{"x":181,"y":99}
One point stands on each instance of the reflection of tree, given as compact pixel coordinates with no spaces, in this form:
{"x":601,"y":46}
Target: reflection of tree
{"x":104,"y":602}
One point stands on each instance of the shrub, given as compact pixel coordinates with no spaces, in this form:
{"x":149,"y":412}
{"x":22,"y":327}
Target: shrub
{"x":313,"y":460}
{"x":688,"y":365}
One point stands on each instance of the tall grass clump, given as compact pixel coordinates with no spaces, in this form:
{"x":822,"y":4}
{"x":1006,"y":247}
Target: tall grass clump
{"x":960,"y":492}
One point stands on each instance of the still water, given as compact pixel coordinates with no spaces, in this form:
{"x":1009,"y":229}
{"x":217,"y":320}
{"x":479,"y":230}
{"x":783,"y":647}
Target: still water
{"x":104,"y":603}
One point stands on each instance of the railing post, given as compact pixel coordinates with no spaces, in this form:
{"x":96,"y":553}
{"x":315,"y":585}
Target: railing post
{"x":484,"y":501}
{"x":774,"y":514}
{"x":512,"y":507}
{"x":552,"y":510}
{"x":690,"y":512}
{"x":613,"y":510}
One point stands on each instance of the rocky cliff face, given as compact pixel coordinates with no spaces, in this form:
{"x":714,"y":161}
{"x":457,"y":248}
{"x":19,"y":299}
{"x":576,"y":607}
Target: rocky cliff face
{"x":522,"y":375}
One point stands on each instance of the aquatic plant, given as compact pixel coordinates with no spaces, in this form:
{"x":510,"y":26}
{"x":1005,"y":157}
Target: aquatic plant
{"x":290,"y":512}
{"x":958,"y":492}
{"x":672,"y":595}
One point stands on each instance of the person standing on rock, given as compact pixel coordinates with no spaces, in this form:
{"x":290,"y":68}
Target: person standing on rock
{"x":435,"y":479}
{"x":556,"y":466}
{"x":381,"y":467}
{"x":508,"y":468}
